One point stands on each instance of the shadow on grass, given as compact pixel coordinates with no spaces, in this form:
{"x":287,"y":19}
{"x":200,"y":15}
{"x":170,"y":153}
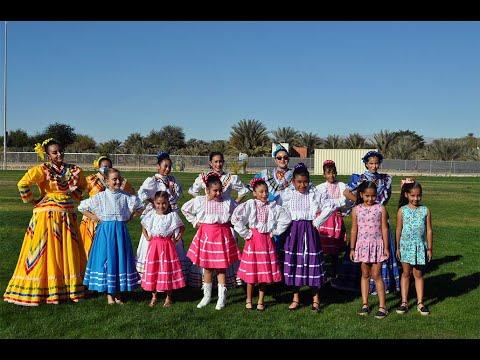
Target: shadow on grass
{"x":444,"y":286}
{"x":435,"y":263}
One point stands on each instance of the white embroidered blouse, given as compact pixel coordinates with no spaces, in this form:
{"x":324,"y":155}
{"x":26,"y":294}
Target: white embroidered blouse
{"x":265,"y":217}
{"x":162,"y":225}
{"x":201,"y":210}
{"x":312,"y":205}
{"x":111,"y":205}
{"x":158,"y":182}
{"x":335,"y":191}
{"x":229,"y":182}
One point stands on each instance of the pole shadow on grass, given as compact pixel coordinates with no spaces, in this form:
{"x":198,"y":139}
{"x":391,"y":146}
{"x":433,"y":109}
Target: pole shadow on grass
{"x":435,"y":263}
{"x":444,"y":286}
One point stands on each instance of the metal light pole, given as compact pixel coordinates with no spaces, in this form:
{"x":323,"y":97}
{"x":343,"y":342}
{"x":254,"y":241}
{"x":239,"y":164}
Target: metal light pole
{"x":5,"y":102}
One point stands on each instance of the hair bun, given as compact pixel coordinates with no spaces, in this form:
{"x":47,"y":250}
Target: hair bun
{"x":370,"y":154}
{"x":162,"y":155}
{"x":209,"y":175}
{"x":300,"y":165}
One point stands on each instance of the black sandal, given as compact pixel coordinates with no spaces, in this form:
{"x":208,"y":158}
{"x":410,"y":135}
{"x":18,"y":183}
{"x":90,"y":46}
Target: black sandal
{"x":403,"y":308}
{"x":422,"y":309}
{"x":381,"y":314}
{"x":261,"y":307}
{"x":248,"y":305}
{"x":364,"y":311}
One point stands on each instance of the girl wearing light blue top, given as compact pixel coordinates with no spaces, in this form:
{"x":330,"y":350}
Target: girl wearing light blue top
{"x":414,"y":242}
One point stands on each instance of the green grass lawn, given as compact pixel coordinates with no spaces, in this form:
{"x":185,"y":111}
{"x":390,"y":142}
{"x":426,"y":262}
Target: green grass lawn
{"x":452,"y":286}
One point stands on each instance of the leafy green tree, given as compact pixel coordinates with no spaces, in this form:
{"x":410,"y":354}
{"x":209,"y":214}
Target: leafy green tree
{"x":64,"y":133}
{"x":83,"y":143}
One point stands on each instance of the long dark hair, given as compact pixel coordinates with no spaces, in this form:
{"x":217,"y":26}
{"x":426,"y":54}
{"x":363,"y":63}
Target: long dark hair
{"x":406,"y":188}
{"x":362,"y":188}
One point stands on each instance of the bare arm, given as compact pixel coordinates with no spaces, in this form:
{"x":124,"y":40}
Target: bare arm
{"x":386,"y":249}
{"x":398,"y":232}
{"x":429,"y":236}
{"x":349,"y":195}
{"x":91,"y":215}
{"x":353,"y":234}
{"x":180,"y":233}
{"x":145,"y":233}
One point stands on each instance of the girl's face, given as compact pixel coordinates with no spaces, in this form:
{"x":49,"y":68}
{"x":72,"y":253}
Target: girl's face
{"x":261,"y":193}
{"x":217,"y":163}
{"x":330,"y":175}
{"x":105,"y":163}
{"x":55,"y":154}
{"x":281,"y":159}
{"x":114,"y":181}
{"x":301,"y":182}
{"x":369,"y":196}
{"x":414,"y":197}
{"x":373,"y":164}
{"x":161,"y":205}
{"x":214,"y":191}
{"x":165,"y":167}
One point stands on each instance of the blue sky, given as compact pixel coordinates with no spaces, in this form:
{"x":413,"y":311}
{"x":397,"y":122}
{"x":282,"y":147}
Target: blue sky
{"x":109,"y":79}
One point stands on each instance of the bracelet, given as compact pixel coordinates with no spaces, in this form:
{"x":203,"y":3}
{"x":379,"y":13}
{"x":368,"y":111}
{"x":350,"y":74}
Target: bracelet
{"x":429,"y":249}
{"x":352,"y":248}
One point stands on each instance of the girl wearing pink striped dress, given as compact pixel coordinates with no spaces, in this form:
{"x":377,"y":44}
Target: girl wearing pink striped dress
{"x":257,"y":220}
{"x":213,"y":247}
{"x":162,"y":228}
{"x":332,"y":232}
{"x":369,"y":244}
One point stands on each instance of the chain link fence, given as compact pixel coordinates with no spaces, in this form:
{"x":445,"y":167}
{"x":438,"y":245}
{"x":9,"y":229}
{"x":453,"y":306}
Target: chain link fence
{"x":24,"y":160}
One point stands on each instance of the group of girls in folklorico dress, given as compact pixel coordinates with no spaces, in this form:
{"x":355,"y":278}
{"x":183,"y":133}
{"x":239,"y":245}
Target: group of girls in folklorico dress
{"x":288,"y":227}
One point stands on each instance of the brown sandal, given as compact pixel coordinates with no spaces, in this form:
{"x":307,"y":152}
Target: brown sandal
{"x":297,"y":305}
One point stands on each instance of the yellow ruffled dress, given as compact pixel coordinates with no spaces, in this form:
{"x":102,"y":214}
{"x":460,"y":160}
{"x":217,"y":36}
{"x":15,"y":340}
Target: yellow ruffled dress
{"x":95,"y":184}
{"x":52,"y":260}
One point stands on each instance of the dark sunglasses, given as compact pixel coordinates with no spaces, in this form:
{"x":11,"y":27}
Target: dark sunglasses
{"x":282,"y":157}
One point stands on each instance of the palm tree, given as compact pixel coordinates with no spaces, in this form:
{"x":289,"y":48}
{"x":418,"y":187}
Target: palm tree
{"x":250,"y":137}
{"x":109,"y":147}
{"x":403,"y":148}
{"x":333,"y":142}
{"x":311,"y":141}
{"x":286,"y":135}
{"x":355,"y":141}
{"x":447,"y":149}
{"x":383,"y":140}
{"x":135,"y":144}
